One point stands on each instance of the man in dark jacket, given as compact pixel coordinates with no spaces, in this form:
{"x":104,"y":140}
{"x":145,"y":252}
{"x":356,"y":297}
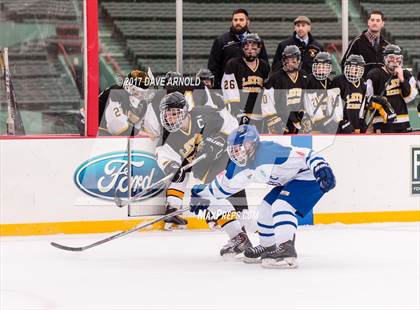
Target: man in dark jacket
{"x":228,"y":45}
{"x":370,"y":43}
{"x":303,"y":39}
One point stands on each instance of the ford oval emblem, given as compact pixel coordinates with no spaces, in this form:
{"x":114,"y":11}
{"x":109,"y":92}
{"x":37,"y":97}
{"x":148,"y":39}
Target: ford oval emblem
{"x":101,"y":176}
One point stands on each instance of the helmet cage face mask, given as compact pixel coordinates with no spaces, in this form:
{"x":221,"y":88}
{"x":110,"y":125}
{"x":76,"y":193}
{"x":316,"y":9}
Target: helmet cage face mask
{"x":321,"y":70}
{"x":172,"y":118}
{"x":392,"y":61}
{"x":138,"y":94}
{"x":353,"y":72}
{"x":238,"y":154}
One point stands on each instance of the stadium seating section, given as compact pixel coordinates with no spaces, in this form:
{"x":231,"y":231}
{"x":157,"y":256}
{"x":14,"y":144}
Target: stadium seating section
{"x":142,"y":33}
{"x":41,"y":81}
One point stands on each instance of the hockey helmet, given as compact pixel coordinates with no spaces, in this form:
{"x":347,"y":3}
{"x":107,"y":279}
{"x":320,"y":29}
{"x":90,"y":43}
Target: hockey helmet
{"x":251,"y":46}
{"x":206,"y":77}
{"x":393,"y":57}
{"x":291,"y":58}
{"x":354,"y":67}
{"x":322,"y":66}
{"x":173,"y":111}
{"x":242,"y":143}
{"x":137,"y":86}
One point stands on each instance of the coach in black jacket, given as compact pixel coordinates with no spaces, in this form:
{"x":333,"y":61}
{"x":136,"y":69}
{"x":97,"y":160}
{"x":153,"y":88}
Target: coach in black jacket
{"x":228,"y":46}
{"x":303,"y":39}
{"x":370,"y":43}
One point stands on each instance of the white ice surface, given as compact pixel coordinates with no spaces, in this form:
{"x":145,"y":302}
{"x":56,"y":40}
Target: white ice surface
{"x":373,"y":266}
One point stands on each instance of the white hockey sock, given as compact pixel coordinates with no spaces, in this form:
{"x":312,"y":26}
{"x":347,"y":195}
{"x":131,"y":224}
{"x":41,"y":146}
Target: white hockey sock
{"x":284,"y":221}
{"x":226,"y":217}
{"x":265,"y":225}
{"x":175,"y":193}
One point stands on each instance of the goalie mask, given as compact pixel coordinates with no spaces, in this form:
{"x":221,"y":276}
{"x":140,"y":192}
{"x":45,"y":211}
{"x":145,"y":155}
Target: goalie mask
{"x":354,"y":67}
{"x":242,"y":143}
{"x":136,"y":84}
{"x":393,"y":57}
{"x":291,"y":58}
{"x":321,"y":68}
{"x":206,"y":77}
{"x":251,"y":46}
{"x":173,"y":111}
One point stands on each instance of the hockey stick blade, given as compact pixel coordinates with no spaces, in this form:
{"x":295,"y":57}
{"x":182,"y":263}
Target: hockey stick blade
{"x":66,"y":248}
{"x":118,"y":235}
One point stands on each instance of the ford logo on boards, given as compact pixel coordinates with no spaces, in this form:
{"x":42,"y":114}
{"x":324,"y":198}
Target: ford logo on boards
{"x":101,"y":176}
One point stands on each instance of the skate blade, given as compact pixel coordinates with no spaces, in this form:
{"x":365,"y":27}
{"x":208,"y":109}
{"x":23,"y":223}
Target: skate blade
{"x":287,"y":263}
{"x":231,"y":257}
{"x":249,"y":260}
{"x":171,"y":226}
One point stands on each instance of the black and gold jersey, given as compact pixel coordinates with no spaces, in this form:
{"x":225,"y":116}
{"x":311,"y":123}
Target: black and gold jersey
{"x":242,"y":87}
{"x":287,"y":91}
{"x":353,"y":96}
{"x":380,"y":82}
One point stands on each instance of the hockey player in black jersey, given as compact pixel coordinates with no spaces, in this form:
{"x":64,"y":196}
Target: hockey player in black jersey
{"x":352,"y":92}
{"x":323,"y":108}
{"x":184,"y":135}
{"x":122,"y":107}
{"x":243,"y":82}
{"x":397,"y":86}
{"x":286,"y":88}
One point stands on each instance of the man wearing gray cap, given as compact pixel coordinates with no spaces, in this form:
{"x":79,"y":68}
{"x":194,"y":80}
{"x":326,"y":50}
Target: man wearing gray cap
{"x":303,"y":39}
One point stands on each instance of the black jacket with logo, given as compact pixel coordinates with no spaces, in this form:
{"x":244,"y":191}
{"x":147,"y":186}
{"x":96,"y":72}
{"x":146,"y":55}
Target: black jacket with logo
{"x":361,"y":46}
{"x":224,"y":48}
{"x":308,"y":52}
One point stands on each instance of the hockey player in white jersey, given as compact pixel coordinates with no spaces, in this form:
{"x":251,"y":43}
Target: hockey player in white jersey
{"x":300,"y":178}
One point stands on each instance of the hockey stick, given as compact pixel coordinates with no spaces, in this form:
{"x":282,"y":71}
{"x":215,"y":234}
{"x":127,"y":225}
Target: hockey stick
{"x":120,"y":234}
{"x":121,"y":203}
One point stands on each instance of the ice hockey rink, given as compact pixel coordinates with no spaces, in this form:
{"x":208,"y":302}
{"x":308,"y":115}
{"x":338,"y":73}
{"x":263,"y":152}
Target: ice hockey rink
{"x":365,"y":266}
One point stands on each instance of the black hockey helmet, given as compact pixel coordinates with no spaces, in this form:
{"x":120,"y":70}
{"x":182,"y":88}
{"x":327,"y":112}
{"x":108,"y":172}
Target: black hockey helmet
{"x":354,"y":67}
{"x":290,"y":52}
{"x":393,"y":57}
{"x":251,"y":37}
{"x":322,"y":66}
{"x":251,"y":51}
{"x":173,"y":110}
{"x":392,"y":49}
{"x":206,"y":77}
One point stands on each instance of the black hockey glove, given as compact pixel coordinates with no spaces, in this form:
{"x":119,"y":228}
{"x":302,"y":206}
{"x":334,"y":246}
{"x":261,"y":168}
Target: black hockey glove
{"x":383,"y":107}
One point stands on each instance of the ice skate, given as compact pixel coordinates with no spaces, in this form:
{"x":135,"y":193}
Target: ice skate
{"x":283,"y":256}
{"x":174,"y":222}
{"x":252,"y":255}
{"x":235,"y":246}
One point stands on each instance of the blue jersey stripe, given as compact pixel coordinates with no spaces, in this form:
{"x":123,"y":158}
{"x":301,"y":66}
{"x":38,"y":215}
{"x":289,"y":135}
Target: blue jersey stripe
{"x":265,"y":235}
{"x":285,"y":223}
{"x":315,"y":158}
{"x":284,"y":213}
{"x":265,"y":226}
